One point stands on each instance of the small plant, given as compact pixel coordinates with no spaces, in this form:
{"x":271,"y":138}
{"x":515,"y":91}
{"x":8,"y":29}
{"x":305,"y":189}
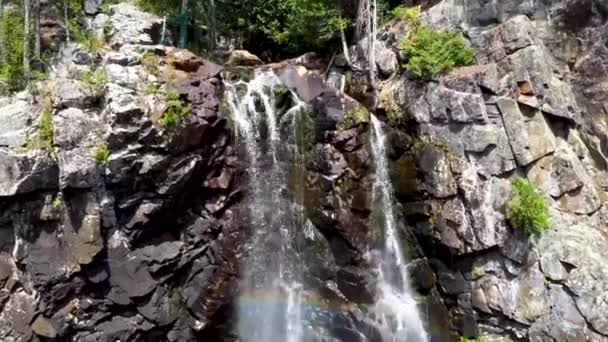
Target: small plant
{"x":527,"y":210}
{"x":102,"y":154}
{"x":150,"y":89}
{"x":57,"y":202}
{"x":94,"y":81}
{"x":43,"y":138}
{"x":108,"y":30}
{"x":89,"y":41}
{"x":433,"y":52}
{"x":150,"y":61}
{"x":476,"y":272}
{"x":410,"y":15}
{"x":176,"y":111}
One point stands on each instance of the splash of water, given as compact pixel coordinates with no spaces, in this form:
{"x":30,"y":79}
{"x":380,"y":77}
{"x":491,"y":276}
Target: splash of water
{"x":270,"y":303}
{"x":396,"y":308}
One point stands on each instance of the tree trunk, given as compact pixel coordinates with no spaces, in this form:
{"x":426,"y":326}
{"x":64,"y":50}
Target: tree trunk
{"x":37,"y":48}
{"x":212,"y":25}
{"x":26,"y":39}
{"x":2,"y":45}
{"x":66,"y":18}
{"x":183,"y":30}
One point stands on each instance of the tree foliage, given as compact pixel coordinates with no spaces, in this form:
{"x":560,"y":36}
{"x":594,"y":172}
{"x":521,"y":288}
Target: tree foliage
{"x":431,"y":52}
{"x":11,"y":33}
{"x":527,"y":210}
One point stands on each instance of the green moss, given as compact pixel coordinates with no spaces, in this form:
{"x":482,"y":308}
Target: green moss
{"x":102,"y":154}
{"x":176,"y":111}
{"x":151,"y":61}
{"x":357,"y":116}
{"x":527,"y":210}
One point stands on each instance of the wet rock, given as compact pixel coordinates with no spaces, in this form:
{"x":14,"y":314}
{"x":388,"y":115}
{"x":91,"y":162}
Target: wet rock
{"x":163,"y":308}
{"x":25,"y":173}
{"x":452,"y":283}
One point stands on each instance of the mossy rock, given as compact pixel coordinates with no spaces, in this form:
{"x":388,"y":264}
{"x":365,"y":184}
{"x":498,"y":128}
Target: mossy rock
{"x":358,"y":115}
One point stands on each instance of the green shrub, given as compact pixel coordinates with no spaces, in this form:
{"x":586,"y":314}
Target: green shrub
{"x":176,"y":111}
{"x":94,"y":81}
{"x":57,"y":202}
{"x":102,"y":154}
{"x":43,"y":138}
{"x":432,"y":52}
{"x":150,"y":61}
{"x":150,"y":89}
{"x":11,"y":33}
{"x":89,"y":41}
{"x":527,"y":210}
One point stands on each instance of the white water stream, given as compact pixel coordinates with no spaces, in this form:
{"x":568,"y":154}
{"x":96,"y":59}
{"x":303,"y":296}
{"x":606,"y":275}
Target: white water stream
{"x":396,"y":307}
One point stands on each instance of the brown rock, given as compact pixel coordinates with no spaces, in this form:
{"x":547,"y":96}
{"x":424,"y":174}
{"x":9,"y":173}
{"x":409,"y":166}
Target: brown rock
{"x":184,"y":60}
{"x":242,"y":58}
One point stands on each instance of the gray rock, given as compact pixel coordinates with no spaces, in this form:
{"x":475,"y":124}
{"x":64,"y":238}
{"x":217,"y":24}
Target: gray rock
{"x":529,"y":134}
{"x":78,"y":169}
{"x":437,"y":174}
{"x":132,"y":26}
{"x":21,"y":174}
{"x":92,"y":7}
{"x":15,"y":116}
{"x":71,"y":127}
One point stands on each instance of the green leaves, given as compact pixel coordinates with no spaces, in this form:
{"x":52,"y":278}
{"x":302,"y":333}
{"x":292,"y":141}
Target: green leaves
{"x":527,"y":209}
{"x":430,"y":52}
{"x":176,"y":111}
{"x":11,"y":34}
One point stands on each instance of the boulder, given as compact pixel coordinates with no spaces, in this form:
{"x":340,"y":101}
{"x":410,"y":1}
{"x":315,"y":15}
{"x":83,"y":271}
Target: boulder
{"x":242,"y":58}
{"x":15,"y":114}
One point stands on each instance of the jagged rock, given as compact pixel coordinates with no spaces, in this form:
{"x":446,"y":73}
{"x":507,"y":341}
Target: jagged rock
{"x":71,"y":127}
{"x":18,"y":312}
{"x":125,"y":76}
{"x":132,"y":26}
{"x":163,"y":308}
{"x":72,"y":94}
{"x":21,"y":174}
{"x":178,"y":175}
{"x":82,"y":227}
{"x":15,"y":115}
{"x":78,"y":169}
{"x":161,"y":255}
{"x":529,"y":134}
{"x":242,"y":58}
{"x":437,"y":174}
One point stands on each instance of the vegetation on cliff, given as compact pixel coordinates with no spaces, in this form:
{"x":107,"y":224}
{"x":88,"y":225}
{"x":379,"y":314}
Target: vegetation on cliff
{"x":527,"y":210}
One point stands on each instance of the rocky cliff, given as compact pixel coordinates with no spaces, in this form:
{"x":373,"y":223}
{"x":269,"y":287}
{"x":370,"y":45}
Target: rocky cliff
{"x":144,"y":245}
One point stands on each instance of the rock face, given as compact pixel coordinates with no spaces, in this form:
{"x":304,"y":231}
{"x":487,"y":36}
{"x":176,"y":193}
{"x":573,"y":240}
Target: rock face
{"x":143,"y":244}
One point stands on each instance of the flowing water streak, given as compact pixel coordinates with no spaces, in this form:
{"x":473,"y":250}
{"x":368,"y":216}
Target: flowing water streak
{"x":271,"y":294}
{"x":396,"y":307}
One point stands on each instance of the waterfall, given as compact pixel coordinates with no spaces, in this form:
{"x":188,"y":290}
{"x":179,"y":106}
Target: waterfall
{"x":269,"y":306}
{"x":395,"y":307}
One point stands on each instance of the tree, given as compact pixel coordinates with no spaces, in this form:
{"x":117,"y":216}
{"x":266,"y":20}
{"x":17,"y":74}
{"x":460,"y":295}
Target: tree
{"x":183,"y":27}
{"x":2,"y":44}
{"x":26,"y":40}
{"x":37,"y":48}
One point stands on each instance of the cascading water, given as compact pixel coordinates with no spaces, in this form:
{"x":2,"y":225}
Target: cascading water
{"x":271,"y":292}
{"x":397,"y":314}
